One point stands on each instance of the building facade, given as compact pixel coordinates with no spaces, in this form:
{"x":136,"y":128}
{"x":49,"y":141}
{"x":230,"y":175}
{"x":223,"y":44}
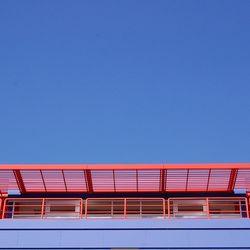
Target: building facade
{"x":125,"y":206}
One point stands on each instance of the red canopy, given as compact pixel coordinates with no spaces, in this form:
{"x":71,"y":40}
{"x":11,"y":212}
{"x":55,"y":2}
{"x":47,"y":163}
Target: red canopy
{"x":112,"y":178}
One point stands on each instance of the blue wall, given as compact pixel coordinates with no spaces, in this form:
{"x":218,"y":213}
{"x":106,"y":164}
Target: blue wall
{"x":154,"y":234}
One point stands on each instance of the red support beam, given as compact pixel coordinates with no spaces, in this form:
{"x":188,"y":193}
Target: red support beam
{"x":232,"y":180}
{"x":89,"y":180}
{"x":19,"y":181}
{"x":163,"y":180}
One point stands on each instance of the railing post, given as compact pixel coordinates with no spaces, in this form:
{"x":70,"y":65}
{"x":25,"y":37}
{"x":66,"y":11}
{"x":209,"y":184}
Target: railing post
{"x":164,"y":208}
{"x":168,"y":200}
{"x":1,"y":204}
{"x":208,"y":211}
{"x":112,"y":208}
{"x":86,"y":208}
{"x":140,"y":209}
{"x":125,"y":208}
{"x":81,"y":208}
{"x":42,"y":210}
{"x":247,"y":207}
{"x":240,"y":208}
{"x":4,"y":207}
{"x":13,"y":209}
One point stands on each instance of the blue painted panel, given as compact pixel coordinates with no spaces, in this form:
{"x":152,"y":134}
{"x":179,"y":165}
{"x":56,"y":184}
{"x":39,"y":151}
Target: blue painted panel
{"x":125,"y":233}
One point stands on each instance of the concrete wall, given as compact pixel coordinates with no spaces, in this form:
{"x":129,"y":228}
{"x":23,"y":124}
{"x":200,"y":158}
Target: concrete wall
{"x":105,"y":234}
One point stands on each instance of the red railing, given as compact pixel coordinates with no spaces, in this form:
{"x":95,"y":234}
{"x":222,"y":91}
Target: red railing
{"x":124,"y":208}
{"x":39,"y":208}
{"x":207,"y":207}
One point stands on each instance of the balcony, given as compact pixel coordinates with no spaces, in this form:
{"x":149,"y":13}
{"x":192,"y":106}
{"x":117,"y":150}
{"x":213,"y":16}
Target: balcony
{"x":124,"y":208}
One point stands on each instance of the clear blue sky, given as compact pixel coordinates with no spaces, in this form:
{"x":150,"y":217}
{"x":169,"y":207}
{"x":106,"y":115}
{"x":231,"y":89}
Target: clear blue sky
{"x":124,"y":81}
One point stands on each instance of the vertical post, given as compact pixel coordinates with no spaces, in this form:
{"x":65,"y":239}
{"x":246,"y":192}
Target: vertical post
{"x":13,"y":210}
{"x":247,"y":207}
{"x":42,"y":210}
{"x":164,"y":208}
{"x":86,"y":208}
{"x":140,"y":209}
{"x":1,"y":206}
{"x":4,"y":207}
{"x":208,"y":211}
{"x":168,"y":200}
{"x":240,"y":208}
{"x":81,"y":208}
{"x":125,"y":208}
{"x":112,"y":208}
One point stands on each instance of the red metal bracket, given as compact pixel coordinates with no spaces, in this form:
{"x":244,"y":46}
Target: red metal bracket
{"x":19,"y":181}
{"x":89,"y":180}
{"x":232,"y":180}
{"x":163,"y":180}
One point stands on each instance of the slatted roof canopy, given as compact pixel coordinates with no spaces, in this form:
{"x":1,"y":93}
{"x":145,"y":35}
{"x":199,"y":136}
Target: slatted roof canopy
{"x":43,"y":178}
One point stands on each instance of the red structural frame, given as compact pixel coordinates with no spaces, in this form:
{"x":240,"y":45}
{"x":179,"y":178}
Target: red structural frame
{"x":111,"y":178}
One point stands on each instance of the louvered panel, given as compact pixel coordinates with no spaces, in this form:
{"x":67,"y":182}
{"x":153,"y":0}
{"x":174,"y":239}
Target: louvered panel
{"x":219,"y":179}
{"x":243,"y":179}
{"x":54,"y":181}
{"x":102,"y":180}
{"x":197,"y":180}
{"x":33,"y":181}
{"x":125,"y":180}
{"x":7,"y":181}
{"x":148,"y":180}
{"x":176,"y":180}
{"x":75,"y":180}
